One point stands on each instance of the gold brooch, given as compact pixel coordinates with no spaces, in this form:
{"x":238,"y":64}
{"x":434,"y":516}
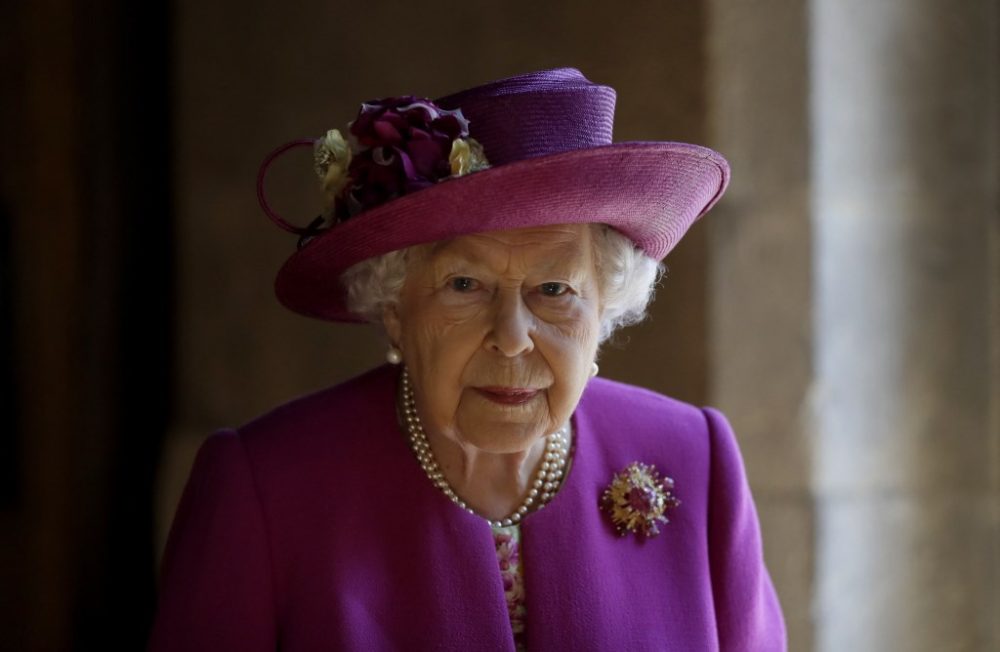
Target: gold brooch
{"x":637,"y":499}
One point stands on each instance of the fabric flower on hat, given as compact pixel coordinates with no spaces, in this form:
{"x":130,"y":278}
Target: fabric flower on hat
{"x":395,"y":146}
{"x":466,"y":156}
{"x":332,"y":156}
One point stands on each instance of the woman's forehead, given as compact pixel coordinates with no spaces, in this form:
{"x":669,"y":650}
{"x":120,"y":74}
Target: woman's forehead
{"x":565,"y":241}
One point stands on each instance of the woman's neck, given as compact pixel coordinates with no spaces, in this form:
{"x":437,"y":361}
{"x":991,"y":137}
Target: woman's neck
{"x":493,"y":484}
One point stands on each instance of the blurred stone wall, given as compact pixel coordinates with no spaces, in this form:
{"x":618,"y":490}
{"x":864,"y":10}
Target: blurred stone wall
{"x":760,"y":293}
{"x":907,"y":452}
{"x":854,"y":331}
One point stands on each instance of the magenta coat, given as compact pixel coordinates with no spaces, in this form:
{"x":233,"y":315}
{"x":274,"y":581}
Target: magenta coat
{"x":314,"y":528}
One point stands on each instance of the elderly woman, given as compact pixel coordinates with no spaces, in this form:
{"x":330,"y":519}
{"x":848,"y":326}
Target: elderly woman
{"x":484,"y":490}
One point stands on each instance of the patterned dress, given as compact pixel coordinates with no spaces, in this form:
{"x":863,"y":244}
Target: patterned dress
{"x":508,"y":544}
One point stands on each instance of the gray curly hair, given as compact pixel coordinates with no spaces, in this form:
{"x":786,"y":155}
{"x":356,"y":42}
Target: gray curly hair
{"x":627,"y":279}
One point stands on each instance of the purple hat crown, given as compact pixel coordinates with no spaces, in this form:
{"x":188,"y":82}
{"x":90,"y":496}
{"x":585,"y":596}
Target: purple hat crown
{"x":537,"y":114}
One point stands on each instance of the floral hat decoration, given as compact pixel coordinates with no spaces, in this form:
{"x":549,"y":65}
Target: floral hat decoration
{"x":530,"y":150}
{"x":395,"y":146}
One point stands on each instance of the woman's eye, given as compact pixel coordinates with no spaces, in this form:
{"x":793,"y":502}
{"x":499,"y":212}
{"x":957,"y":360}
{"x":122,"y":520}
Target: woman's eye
{"x":463,"y":284}
{"x":553,"y":289}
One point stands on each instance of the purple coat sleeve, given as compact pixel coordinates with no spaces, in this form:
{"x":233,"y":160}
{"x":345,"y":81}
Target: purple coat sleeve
{"x":216,"y":585}
{"x":747,"y":610}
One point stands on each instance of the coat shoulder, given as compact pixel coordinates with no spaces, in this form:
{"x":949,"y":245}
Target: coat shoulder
{"x":632,"y":423}
{"x":341,"y":413}
{"x":622,"y":401}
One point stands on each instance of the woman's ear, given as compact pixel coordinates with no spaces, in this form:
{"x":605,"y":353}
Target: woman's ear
{"x":392,"y":324}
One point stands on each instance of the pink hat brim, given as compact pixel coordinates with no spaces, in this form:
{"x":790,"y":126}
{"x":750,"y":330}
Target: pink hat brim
{"x":650,"y":191}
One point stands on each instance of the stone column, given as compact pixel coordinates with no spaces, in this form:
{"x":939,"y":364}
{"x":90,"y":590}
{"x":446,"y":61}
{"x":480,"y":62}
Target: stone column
{"x":905,"y":175}
{"x":760,"y":340}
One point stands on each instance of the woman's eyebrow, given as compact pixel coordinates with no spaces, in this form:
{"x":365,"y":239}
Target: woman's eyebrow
{"x":454,"y":253}
{"x":451,"y":261}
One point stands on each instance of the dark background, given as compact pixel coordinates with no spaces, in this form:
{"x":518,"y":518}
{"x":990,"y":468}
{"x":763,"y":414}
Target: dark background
{"x":87,"y":252}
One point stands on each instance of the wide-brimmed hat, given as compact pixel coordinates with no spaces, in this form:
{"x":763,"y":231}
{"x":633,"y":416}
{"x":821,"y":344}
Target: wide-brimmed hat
{"x":526,"y":151}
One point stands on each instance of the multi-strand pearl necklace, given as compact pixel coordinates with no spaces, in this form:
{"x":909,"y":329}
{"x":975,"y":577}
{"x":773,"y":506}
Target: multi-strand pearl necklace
{"x":546,"y":483}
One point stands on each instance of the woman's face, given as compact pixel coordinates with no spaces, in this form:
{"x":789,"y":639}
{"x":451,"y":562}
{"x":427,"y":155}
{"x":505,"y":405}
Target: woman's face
{"x":498,"y":331}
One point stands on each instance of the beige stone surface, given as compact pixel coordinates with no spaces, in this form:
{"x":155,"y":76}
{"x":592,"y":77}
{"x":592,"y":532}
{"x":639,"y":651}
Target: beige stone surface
{"x":905,"y":122}
{"x":906,"y":572}
{"x":760,"y":271}
{"x":904,"y":197}
{"x":760,"y":239}
{"x":787,"y":522}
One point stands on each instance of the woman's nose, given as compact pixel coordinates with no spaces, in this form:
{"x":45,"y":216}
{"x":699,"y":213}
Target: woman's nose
{"x":510,"y":333}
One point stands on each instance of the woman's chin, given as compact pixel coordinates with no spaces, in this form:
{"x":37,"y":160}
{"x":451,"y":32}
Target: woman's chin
{"x":491,"y":434}
{"x":504,"y":442}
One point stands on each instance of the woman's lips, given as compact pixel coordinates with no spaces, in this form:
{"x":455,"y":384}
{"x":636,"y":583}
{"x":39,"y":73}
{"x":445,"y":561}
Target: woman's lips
{"x":508,"y":395}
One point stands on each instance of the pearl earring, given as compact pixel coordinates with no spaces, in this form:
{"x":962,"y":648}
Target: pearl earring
{"x":594,"y":368}
{"x":394,"y":355}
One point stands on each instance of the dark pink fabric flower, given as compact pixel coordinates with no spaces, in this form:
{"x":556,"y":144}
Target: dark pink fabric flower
{"x":400,"y":144}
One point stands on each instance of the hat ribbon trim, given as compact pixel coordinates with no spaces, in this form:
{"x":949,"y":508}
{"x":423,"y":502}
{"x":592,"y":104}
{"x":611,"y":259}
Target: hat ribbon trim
{"x":304,"y":232}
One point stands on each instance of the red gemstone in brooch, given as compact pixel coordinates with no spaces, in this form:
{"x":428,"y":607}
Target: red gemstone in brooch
{"x":637,"y":500}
